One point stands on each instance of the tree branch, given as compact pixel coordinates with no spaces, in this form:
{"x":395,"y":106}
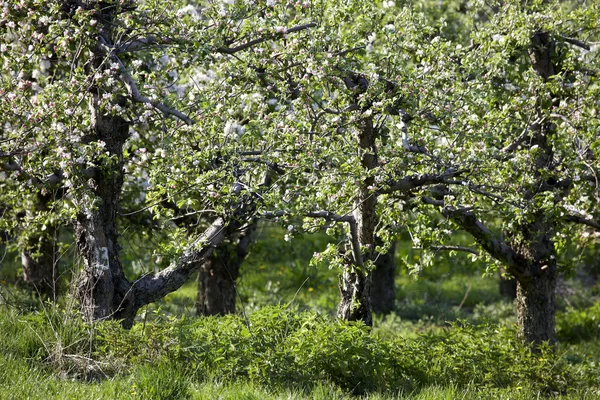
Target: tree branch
{"x":583,"y":221}
{"x":514,"y":145}
{"x":497,"y":248}
{"x":455,"y":248}
{"x":13,"y":166}
{"x":247,"y":45}
{"x":416,"y":181}
{"x":151,"y":288}
{"x":575,"y":42}
{"x":329,"y":216}
{"x":132,"y":88}
{"x":138,"y":98}
{"x":141,"y":44}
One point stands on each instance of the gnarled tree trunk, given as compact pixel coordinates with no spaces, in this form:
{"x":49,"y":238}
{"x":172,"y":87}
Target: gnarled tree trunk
{"x":536,"y":288}
{"x":102,"y":288}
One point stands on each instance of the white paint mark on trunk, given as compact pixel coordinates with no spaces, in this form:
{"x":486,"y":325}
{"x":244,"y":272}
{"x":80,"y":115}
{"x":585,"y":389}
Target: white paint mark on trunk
{"x":102,"y":257}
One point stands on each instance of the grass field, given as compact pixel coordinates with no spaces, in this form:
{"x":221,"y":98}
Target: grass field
{"x":451,"y":337}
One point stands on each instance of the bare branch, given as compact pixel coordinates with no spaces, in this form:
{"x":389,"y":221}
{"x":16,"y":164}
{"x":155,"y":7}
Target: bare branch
{"x":514,"y":145}
{"x":141,"y":44}
{"x":13,"y":166}
{"x":566,"y":183}
{"x":247,"y":45}
{"x":405,"y":143}
{"x":496,"y":247}
{"x":455,"y":248}
{"x":329,"y":216}
{"x":138,"y":98}
{"x":132,"y":88}
{"x":578,"y":219}
{"x":575,"y":42}
{"x":416,"y":181}
{"x":565,"y":119}
{"x":352,"y":224}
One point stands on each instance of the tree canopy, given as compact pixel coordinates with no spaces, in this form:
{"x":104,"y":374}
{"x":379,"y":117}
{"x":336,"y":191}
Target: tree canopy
{"x":362,"y":118}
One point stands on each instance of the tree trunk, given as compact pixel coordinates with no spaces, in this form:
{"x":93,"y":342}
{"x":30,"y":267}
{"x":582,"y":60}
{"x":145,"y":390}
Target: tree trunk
{"x":383,"y":293}
{"x":38,"y":264}
{"x":216,"y":286}
{"x":355,"y":304}
{"x":37,"y":258}
{"x":355,"y":283}
{"x":217,"y":290}
{"x":102,"y":288}
{"x":536,"y":288}
{"x":536,"y":309}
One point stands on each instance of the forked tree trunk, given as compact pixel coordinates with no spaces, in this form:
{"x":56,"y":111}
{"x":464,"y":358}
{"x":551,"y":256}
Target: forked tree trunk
{"x":536,"y":308}
{"x":102,"y":288}
{"x":217,"y":276}
{"x":383,"y":291}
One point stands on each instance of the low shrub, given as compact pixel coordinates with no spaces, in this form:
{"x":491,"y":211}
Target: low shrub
{"x":285,"y":348}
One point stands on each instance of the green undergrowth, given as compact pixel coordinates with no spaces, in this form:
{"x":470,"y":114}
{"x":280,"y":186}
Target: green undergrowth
{"x":283,"y":352}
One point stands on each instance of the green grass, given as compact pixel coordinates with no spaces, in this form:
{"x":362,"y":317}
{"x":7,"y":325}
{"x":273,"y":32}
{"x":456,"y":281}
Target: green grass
{"x":282,"y":353}
{"x":451,"y":336}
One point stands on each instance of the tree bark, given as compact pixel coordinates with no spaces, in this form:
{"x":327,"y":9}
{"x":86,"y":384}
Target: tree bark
{"x":217,"y":276}
{"x":383,"y":292}
{"x":355,"y":300}
{"x":536,"y":308}
{"x":216,"y":285}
